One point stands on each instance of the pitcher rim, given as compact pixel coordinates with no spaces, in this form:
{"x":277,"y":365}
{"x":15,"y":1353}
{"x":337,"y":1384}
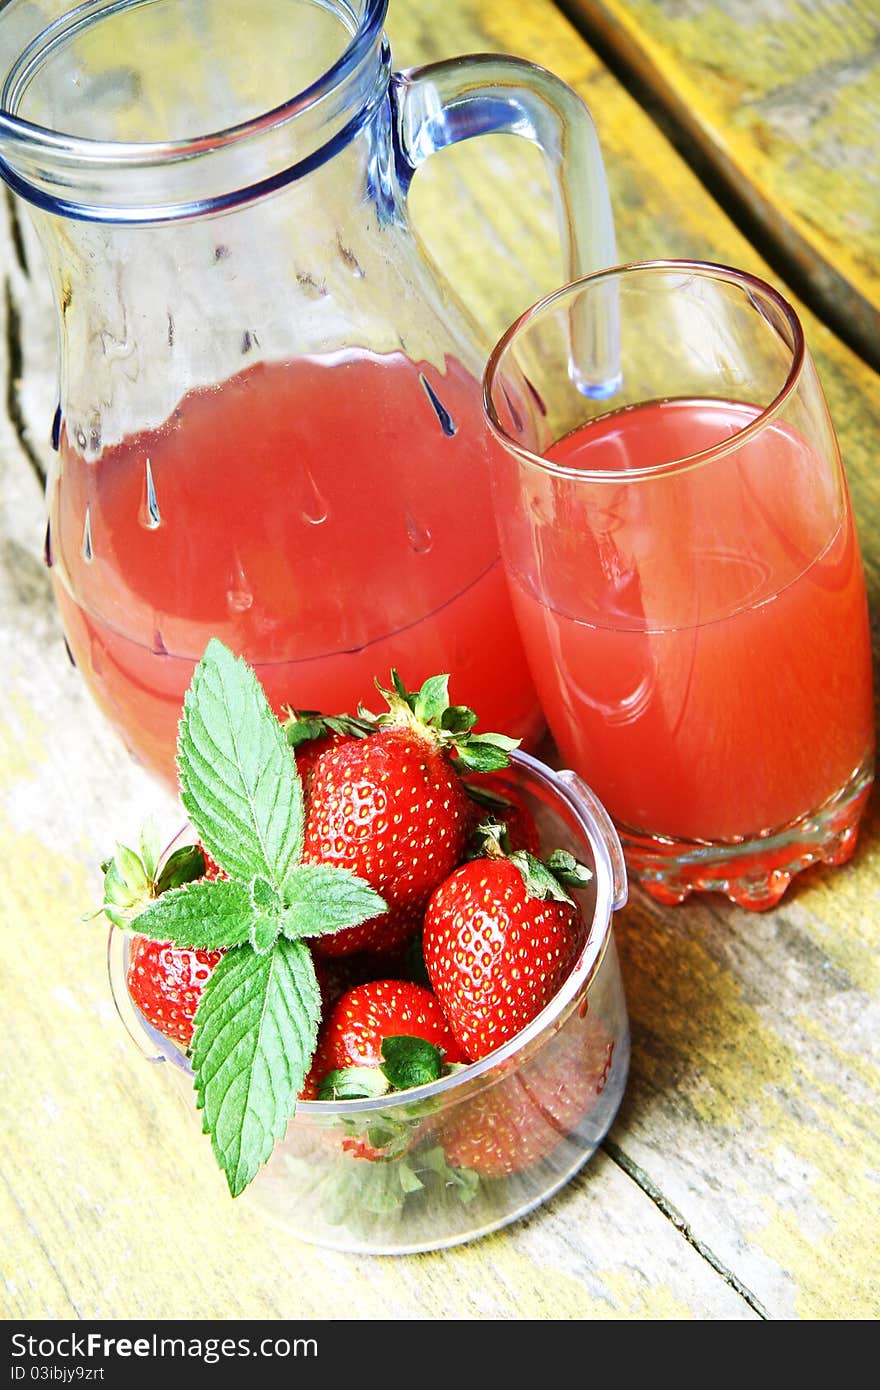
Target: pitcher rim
{"x":157,"y":152}
{"x":707,"y":269}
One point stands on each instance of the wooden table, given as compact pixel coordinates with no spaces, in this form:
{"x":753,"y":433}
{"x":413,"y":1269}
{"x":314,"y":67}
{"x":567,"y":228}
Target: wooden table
{"x":740,"y":1179}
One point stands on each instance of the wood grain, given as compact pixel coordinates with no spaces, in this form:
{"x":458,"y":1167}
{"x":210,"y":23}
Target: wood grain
{"x":781,"y":105}
{"x":740,"y":1178}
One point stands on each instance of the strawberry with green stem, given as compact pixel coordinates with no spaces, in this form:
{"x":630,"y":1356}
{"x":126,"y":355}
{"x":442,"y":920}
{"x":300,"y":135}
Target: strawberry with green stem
{"x":165,"y":982}
{"x":381,"y":1036}
{"x":500,"y":936}
{"x":256,"y":1024}
{"x":392,"y":808}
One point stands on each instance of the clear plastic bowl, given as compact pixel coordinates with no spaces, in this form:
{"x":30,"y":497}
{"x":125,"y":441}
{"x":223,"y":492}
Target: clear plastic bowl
{"x":445,"y":1163}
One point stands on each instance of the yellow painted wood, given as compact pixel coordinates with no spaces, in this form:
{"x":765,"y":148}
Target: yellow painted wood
{"x":750,"y":1120}
{"x":784,"y":101}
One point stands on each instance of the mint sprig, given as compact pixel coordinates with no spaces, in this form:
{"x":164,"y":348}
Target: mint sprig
{"x":254,"y":1037}
{"x":256,"y":1025}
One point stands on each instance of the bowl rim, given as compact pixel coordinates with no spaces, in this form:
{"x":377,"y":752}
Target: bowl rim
{"x":609,"y":883}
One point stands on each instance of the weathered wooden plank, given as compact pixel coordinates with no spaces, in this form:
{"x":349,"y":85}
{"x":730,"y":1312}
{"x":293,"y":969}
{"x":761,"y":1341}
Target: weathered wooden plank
{"x":754,"y":1069}
{"x":782,"y":104}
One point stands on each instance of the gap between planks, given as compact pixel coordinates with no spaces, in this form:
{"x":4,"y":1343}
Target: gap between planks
{"x":665,"y":1207}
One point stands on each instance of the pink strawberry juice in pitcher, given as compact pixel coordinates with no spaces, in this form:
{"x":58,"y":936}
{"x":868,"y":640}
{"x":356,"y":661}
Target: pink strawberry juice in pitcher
{"x":269,"y":426}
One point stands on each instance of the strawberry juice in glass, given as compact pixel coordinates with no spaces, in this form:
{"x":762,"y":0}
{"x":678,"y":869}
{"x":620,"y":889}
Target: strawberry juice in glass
{"x":684,"y":567}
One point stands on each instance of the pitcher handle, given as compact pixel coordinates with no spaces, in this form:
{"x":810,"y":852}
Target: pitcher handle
{"x":442,"y":103}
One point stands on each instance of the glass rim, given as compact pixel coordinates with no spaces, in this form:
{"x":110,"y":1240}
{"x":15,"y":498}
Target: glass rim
{"x":597,"y":827}
{"x":147,"y":153}
{"x":705,"y":269}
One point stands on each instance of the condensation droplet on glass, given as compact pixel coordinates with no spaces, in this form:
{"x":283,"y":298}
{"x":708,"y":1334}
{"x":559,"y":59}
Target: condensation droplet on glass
{"x":445,"y":420}
{"x":419,"y":536}
{"x":315,"y":508}
{"x":150,"y":516}
{"x":87,"y":537}
{"x":239,"y":596}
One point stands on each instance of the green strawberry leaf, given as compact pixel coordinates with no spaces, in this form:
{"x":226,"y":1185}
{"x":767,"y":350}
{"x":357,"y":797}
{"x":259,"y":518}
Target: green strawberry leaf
{"x":150,"y":849}
{"x":185,"y":864}
{"x":238,"y":780}
{"x":408,"y":1061}
{"x":130,"y":872}
{"x":458,"y":719}
{"x":481,"y":753}
{"x":253,"y":1041}
{"x":463,"y":1181}
{"x":568,"y":870}
{"x":321,"y":898}
{"x":353,"y":1083}
{"x":539,"y":879}
{"x":432,"y":700}
{"x":206,"y":915}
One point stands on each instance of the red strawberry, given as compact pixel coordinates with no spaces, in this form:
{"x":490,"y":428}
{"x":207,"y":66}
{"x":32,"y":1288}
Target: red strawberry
{"x":364,"y":1017}
{"x":310,"y":734}
{"x":212,"y":868}
{"x":166,"y":983}
{"x":391,"y":807}
{"x":500,"y":937}
{"x":513,"y":1124}
{"x":355,"y":1057}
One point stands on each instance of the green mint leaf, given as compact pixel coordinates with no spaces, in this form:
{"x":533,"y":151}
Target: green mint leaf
{"x":265,"y":898}
{"x":238,"y":780}
{"x":254,"y":1038}
{"x":408,"y":1061}
{"x":321,"y":898}
{"x":353,"y":1083}
{"x":181,"y":867}
{"x":264,"y":933}
{"x":432,"y":699}
{"x":205,"y":915}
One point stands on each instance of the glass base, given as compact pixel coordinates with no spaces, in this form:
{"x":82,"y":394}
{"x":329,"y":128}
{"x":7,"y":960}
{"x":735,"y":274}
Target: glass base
{"x":752,"y":873}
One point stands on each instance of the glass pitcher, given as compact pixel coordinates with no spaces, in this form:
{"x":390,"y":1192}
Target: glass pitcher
{"x":269,"y":425}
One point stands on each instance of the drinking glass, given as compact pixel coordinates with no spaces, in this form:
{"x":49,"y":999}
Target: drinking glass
{"x":681,"y":553}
